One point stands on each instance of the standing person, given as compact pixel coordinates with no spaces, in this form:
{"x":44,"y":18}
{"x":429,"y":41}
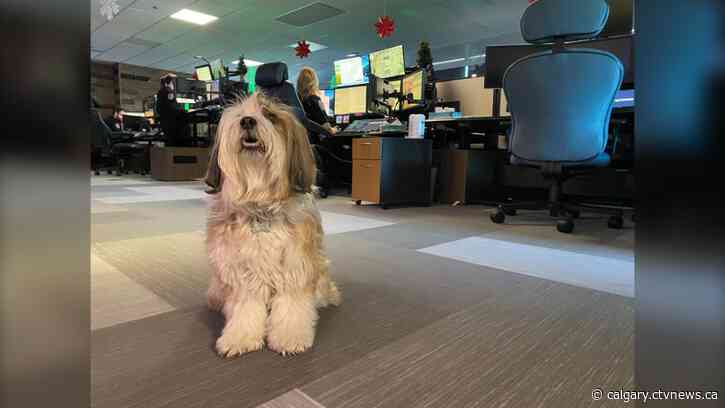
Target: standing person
{"x":170,"y":114}
{"x":308,"y":89}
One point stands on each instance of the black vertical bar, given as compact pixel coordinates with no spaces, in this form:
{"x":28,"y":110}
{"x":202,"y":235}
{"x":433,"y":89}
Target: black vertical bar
{"x":497,"y":102}
{"x":680,"y":236}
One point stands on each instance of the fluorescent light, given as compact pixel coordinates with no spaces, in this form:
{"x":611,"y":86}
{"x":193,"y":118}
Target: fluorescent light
{"x":185,"y":100}
{"x":450,"y":61}
{"x":477,"y":56}
{"x":354,"y":54}
{"x":192,"y":16}
{"x":313,"y":46}
{"x":249,"y":62}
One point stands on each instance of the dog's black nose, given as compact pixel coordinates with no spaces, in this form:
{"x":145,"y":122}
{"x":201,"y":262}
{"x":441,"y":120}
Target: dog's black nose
{"x":248,"y":123}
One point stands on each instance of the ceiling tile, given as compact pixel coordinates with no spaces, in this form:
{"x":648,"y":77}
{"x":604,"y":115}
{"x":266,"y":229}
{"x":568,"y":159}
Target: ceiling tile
{"x":164,"y":30}
{"x":124,"y":25}
{"x":122,"y":52}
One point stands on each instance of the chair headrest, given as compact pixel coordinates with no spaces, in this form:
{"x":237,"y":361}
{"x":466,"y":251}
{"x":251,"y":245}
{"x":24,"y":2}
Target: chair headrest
{"x":271,"y":74}
{"x":545,"y":21}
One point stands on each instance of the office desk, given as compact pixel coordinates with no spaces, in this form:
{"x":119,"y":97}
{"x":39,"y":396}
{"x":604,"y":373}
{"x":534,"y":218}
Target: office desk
{"x":469,"y":129}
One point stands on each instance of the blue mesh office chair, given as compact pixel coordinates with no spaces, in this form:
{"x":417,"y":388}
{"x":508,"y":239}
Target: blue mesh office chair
{"x":561,"y":102}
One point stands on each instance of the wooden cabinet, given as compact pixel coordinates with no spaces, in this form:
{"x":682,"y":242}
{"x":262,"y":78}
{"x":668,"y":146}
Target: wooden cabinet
{"x":391,"y":170}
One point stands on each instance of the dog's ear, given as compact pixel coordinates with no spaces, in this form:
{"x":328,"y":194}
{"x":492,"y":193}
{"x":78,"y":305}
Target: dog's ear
{"x":302,"y":169}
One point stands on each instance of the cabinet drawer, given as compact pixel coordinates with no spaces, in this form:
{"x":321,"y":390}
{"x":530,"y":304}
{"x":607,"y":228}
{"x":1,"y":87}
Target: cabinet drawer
{"x":366,"y":180}
{"x":366,"y":148}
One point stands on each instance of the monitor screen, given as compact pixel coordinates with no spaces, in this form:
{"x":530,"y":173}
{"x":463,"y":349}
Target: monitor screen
{"x":393,"y":86}
{"x":328,"y":101}
{"x":388,"y":63}
{"x":217,"y":69}
{"x":203,"y":73}
{"x":500,"y":57}
{"x":624,"y":99}
{"x":621,"y":18}
{"x":351,"y":100}
{"x":413,"y":83}
{"x":378,"y":88}
{"x":351,"y":71}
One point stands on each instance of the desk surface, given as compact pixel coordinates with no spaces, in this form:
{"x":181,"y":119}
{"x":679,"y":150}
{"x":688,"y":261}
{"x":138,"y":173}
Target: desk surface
{"x":471,"y":119}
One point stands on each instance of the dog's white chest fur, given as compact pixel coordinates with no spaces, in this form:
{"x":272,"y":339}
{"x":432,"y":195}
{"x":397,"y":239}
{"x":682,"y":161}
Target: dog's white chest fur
{"x":254,"y":246}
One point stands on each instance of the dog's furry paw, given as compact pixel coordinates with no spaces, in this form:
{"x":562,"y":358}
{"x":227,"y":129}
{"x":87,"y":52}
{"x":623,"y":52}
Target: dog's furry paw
{"x":233,"y":346}
{"x":291,"y":343}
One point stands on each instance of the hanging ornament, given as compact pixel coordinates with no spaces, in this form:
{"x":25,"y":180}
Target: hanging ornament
{"x":384,"y":26}
{"x":302,"y":49}
{"x":109,"y":9}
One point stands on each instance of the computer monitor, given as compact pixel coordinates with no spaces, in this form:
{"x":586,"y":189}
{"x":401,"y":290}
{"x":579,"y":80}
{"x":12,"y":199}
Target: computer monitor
{"x":351,"y":100}
{"x":624,"y":99}
{"x":379,"y":93}
{"x":204,"y":73}
{"x":352,"y":71}
{"x":500,"y":57}
{"x":388,"y":63}
{"x":328,"y":101}
{"x":217,"y":69}
{"x":413,"y":83}
{"x":621,"y":18}
{"x":190,"y":88}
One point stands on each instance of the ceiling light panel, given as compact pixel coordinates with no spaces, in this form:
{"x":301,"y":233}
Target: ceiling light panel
{"x":194,"y":17}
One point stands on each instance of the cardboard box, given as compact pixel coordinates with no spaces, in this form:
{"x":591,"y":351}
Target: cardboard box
{"x":179,"y":163}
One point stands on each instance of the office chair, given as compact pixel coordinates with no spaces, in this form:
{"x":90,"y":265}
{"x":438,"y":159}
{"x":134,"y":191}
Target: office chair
{"x":110,"y":150}
{"x":561,"y":102}
{"x":272,"y":80}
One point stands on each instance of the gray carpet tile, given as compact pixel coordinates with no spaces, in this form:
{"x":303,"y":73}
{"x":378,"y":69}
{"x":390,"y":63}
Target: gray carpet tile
{"x":117,"y":299}
{"x":543,"y":348}
{"x":292,"y":399}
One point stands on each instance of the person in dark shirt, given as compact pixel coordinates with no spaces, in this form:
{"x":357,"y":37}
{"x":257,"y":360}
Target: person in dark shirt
{"x":170,"y":115}
{"x":308,"y":89}
{"x":115,"y":122}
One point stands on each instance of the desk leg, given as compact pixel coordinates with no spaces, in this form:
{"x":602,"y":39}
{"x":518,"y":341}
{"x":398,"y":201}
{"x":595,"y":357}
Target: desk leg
{"x":463,"y":133}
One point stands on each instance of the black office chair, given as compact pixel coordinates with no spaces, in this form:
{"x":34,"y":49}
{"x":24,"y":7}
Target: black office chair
{"x":561,"y":102}
{"x":272,"y":80}
{"x":111,"y":151}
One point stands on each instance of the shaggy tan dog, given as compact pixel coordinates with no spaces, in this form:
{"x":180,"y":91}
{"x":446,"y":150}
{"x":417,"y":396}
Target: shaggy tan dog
{"x":264,"y":235}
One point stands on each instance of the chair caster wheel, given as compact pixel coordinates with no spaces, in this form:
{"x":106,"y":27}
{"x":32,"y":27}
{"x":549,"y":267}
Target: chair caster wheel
{"x":565,"y":226}
{"x":97,"y":173}
{"x":323,"y":193}
{"x":509,"y":211}
{"x":615,"y":222}
{"x":358,"y":202}
{"x":498,"y":217}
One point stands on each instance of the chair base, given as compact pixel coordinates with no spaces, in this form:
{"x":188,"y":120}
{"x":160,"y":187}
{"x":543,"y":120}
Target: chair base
{"x":564,"y":210}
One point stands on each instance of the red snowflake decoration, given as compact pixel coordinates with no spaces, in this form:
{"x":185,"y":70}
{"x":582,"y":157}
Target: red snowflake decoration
{"x":385,"y":26}
{"x":302,"y":49}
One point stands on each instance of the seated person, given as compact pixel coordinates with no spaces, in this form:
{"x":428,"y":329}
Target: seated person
{"x":172,"y":118}
{"x":308,"y":89}
{"x":115,"y":122}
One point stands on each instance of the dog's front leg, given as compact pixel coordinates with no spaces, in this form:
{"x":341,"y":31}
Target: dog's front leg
{"x":291,"y":323}
{"x":246,"y":314}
